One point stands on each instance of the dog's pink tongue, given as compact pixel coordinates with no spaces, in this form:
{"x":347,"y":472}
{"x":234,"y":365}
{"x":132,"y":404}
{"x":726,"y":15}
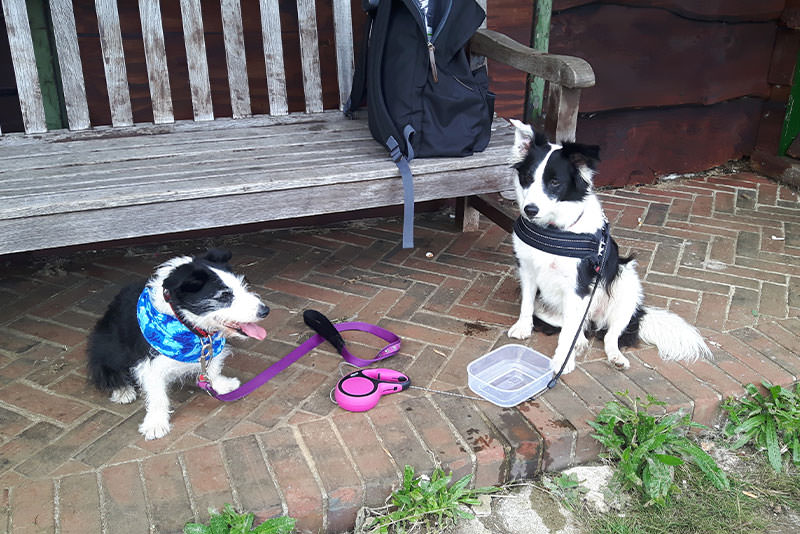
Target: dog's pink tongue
{"x":253,"y":330}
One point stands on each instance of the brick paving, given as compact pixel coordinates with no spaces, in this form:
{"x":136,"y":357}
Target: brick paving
{"x":721,"y":251}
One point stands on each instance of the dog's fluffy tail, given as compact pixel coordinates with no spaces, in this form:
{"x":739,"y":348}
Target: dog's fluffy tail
{"x":675,"y":338}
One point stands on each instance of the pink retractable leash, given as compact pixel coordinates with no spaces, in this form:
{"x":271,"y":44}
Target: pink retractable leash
{"x":361,"y":390}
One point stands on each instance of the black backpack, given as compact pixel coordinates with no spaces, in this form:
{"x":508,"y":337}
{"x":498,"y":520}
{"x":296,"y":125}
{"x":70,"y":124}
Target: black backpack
{"x":424,"y":99}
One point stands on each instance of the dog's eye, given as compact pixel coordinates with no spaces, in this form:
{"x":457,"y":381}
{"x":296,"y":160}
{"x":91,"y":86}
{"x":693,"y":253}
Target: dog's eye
{"x":224,"y":296}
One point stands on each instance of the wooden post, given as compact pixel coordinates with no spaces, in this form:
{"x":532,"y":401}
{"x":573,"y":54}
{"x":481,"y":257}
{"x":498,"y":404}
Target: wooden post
{"x":540,"y":40}
{"x":791,"y":123}
{"x":47,"y":65}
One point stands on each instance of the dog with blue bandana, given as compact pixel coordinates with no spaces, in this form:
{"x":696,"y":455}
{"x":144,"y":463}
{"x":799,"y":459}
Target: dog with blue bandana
{"x":172,"y":326}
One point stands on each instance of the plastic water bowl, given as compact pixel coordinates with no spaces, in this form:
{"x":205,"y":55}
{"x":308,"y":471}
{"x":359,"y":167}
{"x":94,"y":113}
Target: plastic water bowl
{"x":509,"y":375}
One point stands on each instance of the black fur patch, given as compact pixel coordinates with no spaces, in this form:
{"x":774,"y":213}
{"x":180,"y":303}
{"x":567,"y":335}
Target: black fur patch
{"x":116,"y":344}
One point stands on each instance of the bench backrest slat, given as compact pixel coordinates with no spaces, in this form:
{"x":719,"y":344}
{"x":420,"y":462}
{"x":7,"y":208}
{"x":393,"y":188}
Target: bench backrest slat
{"x":343,"y":31}
{"x":196,"y":60}
{"x":69,"y":61}
{"x":309,"y":55}
{"x":156,"y":57}
{"x":119,"y":95}
{"x":233,"y":34}
{"x":25,"y":72}
{"x":80,"y":112}
{"x":273,"y":56}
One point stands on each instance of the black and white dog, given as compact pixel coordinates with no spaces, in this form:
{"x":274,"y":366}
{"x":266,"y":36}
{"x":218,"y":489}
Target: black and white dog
{"x":555,"y":197}
{"x":156,"y":332}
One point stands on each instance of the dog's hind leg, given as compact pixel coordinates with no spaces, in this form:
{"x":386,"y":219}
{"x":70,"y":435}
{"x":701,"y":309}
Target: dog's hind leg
{"x":527,"y":283}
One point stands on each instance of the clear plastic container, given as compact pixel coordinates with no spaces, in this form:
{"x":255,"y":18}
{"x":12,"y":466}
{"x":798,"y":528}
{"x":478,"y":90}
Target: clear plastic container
{"x":509,"y":375}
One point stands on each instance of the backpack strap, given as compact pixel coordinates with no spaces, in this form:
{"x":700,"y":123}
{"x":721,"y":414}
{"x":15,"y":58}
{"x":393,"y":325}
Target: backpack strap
{"x":381,"y":124}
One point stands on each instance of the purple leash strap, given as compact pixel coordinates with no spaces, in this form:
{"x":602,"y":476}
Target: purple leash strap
{"x":326,"y":332}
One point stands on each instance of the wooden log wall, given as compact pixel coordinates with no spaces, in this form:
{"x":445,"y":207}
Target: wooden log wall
{"x":681,"y":84}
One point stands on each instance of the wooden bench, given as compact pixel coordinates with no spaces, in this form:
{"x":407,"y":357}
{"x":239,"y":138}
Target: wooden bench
{"x":97,"y":183}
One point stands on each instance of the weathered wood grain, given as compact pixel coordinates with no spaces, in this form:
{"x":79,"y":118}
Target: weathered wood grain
{"x":26,"y":74}
{"x":69,"y":61}
{"x":119,"y":97}
{"x":561,"y":69}
{"x":309,"y":55}
{"x":638,"y":145}
{"x":196,"y":60}
{"x":343,"y":29}
{"x":273,"y":56}
{"x":699,"y":63}
{"x":156,"y":56}
{"x":235,"y":59}
{"x":718,"y":10}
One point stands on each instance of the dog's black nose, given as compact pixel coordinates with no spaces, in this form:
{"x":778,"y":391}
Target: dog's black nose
{"x":531,"y":210}
{"x":263,"y":311}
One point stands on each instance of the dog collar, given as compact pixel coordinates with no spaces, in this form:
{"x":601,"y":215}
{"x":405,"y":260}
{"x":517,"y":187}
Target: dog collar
{"x":562,"y":243}
{"x":169,"y":336}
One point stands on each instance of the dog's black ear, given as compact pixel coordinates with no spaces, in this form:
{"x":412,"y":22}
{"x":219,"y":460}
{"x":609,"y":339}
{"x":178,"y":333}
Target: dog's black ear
{"x":195,"y":281}
{"x":581,"y":155}
{"x":186,"y":279}
{"x":218,"y":255}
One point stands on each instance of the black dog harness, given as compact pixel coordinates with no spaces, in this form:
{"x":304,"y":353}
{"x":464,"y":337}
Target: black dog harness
{"x":562,"y":243}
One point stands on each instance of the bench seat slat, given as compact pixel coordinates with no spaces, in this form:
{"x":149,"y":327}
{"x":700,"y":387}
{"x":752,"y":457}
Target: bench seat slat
{"x":194,"y":181}
{"x":50,"y":147}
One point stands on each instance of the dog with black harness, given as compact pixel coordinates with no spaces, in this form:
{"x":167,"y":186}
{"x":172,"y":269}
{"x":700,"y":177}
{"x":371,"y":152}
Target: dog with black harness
{"x":565,"y":252}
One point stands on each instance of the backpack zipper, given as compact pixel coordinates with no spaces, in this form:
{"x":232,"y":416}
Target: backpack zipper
{"x":431,"y":47}
{"x":432,"y":57}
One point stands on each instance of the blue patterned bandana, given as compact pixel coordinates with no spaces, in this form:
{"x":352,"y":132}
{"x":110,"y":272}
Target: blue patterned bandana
{"x":168,"y":335}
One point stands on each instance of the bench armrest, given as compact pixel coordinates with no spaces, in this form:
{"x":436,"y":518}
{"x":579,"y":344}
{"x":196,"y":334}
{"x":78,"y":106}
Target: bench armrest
{"x":567,"y":71}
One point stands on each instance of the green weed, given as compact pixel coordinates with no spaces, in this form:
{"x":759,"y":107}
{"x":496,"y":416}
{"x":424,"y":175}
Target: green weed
{"x":424,"y":504}
{"x":565,"y":488}
{"x":769,"y":422}
{"x":648,"y":448}
{"x":232,"y":522}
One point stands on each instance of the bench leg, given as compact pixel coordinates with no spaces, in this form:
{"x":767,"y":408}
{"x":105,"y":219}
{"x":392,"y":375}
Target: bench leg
{"x":466,"y":215}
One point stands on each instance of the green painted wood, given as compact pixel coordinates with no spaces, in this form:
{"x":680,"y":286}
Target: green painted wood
{"x":791,"y":122}
{"x":47,"y":64}
{"x":540,"y":40}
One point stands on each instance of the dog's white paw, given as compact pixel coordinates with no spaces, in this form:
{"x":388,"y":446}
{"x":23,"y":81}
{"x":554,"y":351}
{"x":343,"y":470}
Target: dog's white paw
{"x":521,"y":329}
{"x":557,"y":362}
{"x":124,"y":395}
{"x":154,"y":426}
{"x":224,"y":384}
{"x":619,"y":361}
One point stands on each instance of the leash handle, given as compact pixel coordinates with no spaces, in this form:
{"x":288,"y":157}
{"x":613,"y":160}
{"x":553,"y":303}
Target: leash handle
{"x":270,"y":372}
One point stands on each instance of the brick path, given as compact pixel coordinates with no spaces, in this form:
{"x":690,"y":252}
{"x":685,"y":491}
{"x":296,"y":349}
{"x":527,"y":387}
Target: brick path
{"x":723,"y":252}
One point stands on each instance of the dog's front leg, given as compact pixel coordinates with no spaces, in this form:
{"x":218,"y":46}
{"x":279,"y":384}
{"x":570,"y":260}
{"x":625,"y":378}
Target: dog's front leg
{"x":527,"y":283}
{"x":221,"y":384}
{"x":152,"y":378}
{"x":574,"y":307}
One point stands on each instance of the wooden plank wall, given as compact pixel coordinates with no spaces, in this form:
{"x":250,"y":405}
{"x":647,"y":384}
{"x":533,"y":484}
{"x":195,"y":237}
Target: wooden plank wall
{"x":680,"y":84}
